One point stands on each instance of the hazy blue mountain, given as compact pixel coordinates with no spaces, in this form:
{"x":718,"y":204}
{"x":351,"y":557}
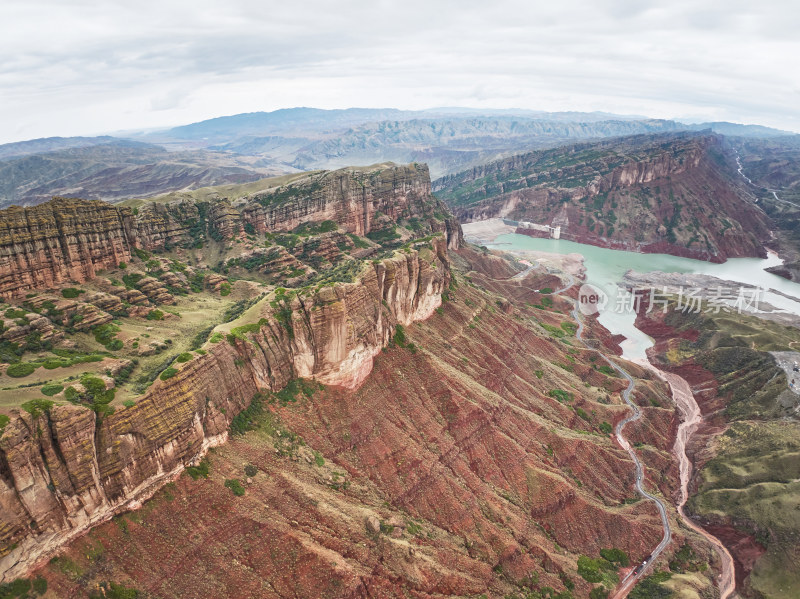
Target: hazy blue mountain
{"x":739,"y":130}
{"x":286,"y":121}
{"x":119,"y":169}
{"x":242,"y":147}
{"x":49,"y":144}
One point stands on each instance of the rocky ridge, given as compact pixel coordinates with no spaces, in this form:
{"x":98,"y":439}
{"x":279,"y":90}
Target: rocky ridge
{"x":675,"y":193}
{"x":451,"y":471}
{"x":62,"y":470}
{"x":71,"y":240}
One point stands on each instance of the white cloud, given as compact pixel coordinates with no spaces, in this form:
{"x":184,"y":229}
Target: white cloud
{"x":79,"y":67}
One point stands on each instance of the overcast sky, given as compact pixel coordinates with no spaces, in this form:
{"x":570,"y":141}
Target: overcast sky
{"x":82,"y":67}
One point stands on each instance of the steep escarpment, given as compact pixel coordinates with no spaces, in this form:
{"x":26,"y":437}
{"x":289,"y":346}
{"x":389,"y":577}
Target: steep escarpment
{"x":356,"y":199}
{"x":63,"y":470}
{"x":70,"y":240}
{"x":454,"y":470}
{"x":360,"y":200}
{"x":676,"y":193}
{"x":59,"y":241}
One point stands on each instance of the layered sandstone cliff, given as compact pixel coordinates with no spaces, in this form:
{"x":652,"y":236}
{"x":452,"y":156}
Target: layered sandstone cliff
{"x":350,"y":197}
{"x":358,"y":200}
{"x":63,"y":470}
{"x":450,"y":472}
{"x":59,"y":241}
{"x":70,"y":240}
{"x":676,"y":194}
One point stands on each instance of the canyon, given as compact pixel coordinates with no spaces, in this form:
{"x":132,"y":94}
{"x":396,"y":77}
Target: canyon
{"x":453,"y":414}
{"x":745,"y":426}
{"x":63,"y":472}
{"x":412,"y":413}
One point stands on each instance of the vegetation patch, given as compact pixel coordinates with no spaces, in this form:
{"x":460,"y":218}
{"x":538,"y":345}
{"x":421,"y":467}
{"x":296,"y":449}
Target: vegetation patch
{"x":359,"y":242}
{"x":570,"y":327}
{"x":235,"y":485}
{"x":105,"y":334}
{"x":71,"y":292}
{"x":247,"y":419}
{"x":651,"y":587}
{"x":554,"y":331}
{"x":308,"y":229}
{"x":52,"y":389}
{"x":199,"y":471}
{"x":384,"y":236}
{"x":21,"y":369}
{"x":37,"y":407}
{"x":23,"y":588}
{"x":94,"y":396}
{"x":242,"y":331}
{"x":168,"y":373}
{"x":603,"y":569}
{"x":296,"y":387}
{"x":399,"y":337}
{"x":561,"y":395}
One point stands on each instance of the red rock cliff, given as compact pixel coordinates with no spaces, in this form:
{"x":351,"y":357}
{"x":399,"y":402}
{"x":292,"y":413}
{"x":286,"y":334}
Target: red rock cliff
{"x":63,"y":471}
{"x":59,"y":241}
{"x":677,"y":194}
{"x":70,"y":240}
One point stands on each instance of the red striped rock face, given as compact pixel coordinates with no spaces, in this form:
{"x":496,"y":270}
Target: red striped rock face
{"x":475,"y":475}
{"x":63,"y":240}
{"x":680,"y":196}
{"x":61,"y":473}
{"x":71,"y":240}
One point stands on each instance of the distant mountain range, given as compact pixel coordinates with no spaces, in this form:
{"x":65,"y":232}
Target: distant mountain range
{"x":246,"y":147}
{"x":49,"y":144}
{"x":114,"y":169}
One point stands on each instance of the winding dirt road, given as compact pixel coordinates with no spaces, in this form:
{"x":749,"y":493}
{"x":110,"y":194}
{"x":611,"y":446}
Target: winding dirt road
{"x":629,"y":581}
{"x":691,"y":418}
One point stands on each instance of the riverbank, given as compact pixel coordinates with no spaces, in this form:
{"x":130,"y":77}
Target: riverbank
{"x":486,"y":231}
{"x":691,"y":418}
{"x":723,"y":291}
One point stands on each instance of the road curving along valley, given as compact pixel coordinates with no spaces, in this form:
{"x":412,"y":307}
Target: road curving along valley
{"x":690,"y":420}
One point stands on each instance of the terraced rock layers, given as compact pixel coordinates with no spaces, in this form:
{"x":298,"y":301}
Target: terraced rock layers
{"x":64,"y":470}
{"x":70,"y":240}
